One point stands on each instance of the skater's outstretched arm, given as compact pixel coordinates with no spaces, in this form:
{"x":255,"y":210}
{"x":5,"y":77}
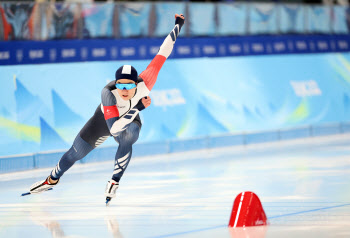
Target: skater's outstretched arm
{"x":149,"y":76}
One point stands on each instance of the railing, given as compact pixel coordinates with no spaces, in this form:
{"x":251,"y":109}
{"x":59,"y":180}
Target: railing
{"x":45,"y":21}
{"x":49,"y":159}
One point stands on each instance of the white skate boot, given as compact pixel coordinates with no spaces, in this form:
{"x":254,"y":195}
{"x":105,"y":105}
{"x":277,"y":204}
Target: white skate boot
{"x":111,"y":188}
{"x":42,"y":186}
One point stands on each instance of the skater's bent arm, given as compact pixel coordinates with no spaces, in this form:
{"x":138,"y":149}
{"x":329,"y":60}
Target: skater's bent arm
{"x":117,"y":123}
{"x":121,"y":124}
{"x":150,"y":75}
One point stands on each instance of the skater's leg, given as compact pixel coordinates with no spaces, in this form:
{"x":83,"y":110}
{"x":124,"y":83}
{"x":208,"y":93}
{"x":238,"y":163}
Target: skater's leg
{"x":79,"y":150}
{"x":93,"y":134}
{"x":126,"y":139}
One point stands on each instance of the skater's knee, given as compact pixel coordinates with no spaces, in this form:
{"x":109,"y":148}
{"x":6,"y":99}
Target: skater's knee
{"x":131,"y":138}
{"x":130,"y":135}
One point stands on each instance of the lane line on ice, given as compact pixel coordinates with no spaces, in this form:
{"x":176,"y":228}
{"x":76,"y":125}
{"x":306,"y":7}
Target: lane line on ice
{"x":273,"y":217}
{"x":192,"y":231}
{"x":307,"y":211}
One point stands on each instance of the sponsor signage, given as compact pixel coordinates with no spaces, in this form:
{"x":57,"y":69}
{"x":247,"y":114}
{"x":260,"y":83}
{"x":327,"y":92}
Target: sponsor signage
{"x":32,"y":52}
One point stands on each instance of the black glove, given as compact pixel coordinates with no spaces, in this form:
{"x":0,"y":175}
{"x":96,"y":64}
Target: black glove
{"x":179,"y":19}
{"x":140,"y":105}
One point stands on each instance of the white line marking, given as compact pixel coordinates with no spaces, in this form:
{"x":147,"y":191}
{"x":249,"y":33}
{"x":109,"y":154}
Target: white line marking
{"x":239,"y":210}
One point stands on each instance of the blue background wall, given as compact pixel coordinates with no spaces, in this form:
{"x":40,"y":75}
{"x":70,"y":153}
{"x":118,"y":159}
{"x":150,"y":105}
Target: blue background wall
{"x":43,"y":107}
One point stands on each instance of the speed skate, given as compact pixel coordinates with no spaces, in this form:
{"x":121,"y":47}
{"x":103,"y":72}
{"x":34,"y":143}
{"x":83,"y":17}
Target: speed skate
{"x":111,"y":189}
{"x":41,"y":186}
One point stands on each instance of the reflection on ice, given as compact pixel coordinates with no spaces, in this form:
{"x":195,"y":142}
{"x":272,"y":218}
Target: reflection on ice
{"x":113,"y":227}
{"x":248,"y":232}
{"x":44,"y":219}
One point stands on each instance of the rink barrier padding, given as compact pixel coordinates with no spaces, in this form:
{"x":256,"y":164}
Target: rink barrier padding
{"x":324,"y":130}
{"x":294,"y":134}
{"x":188,"y":144}
{"x":44,"y":160}
{"x":17,"y":163}
{"x":50,"y":158}
{"x":142,"y":149}
{"x":261,"y":137}
{"x":226,"y":140}
{"x":345,"y":127}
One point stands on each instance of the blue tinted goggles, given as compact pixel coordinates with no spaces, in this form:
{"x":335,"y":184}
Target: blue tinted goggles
{"x":126,"y":86}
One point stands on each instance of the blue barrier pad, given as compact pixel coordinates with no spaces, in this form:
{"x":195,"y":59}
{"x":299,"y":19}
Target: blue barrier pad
{"x":294,"y":133}
{"x":227,"y":140}
{"x":322,"y":130}
{"x":261,"y":137}
{"x":17,"y":163}
{"x":189,"y":144}
{"x":44,"y":160}
{"x":144,"y":149}
{"x":344,"y":127}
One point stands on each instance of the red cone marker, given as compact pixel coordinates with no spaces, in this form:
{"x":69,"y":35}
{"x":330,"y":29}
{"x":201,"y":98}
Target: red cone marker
{"x":247,"y":211}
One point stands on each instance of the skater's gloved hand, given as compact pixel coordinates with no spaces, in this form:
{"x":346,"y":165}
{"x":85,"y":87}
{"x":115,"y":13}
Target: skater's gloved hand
{"x":146,"y":101}
{"x":179,"y":19}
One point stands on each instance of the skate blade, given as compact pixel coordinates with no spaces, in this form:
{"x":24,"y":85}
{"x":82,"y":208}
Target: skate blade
{"x":107,"y":201}
{"x":25,"y":194}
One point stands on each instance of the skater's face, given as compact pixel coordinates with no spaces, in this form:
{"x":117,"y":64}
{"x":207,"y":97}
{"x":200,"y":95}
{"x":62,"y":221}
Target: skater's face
{"x":125,"y":93}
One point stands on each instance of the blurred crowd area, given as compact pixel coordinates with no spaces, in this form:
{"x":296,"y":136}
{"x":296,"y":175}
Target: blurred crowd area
{"x":343,"y":2}
{"x":72,"y":19}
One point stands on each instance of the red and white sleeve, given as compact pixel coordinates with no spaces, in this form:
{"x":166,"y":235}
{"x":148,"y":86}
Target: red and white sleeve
{"x":150,"y":75}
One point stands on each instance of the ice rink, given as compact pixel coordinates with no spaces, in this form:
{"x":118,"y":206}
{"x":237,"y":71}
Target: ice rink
{"x":304,"y":186}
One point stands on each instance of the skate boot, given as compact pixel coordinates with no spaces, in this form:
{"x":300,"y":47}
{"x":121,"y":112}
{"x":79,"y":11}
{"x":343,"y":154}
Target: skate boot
{"x":111,"y":188}
{"x":42,"y":186}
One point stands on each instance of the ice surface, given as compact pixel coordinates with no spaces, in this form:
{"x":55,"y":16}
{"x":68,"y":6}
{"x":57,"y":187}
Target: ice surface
{"x":304,"y":186}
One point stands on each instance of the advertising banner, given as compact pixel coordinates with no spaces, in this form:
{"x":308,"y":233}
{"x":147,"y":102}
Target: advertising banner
{"x":43,"y":107}
{"x":65,"y":51}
